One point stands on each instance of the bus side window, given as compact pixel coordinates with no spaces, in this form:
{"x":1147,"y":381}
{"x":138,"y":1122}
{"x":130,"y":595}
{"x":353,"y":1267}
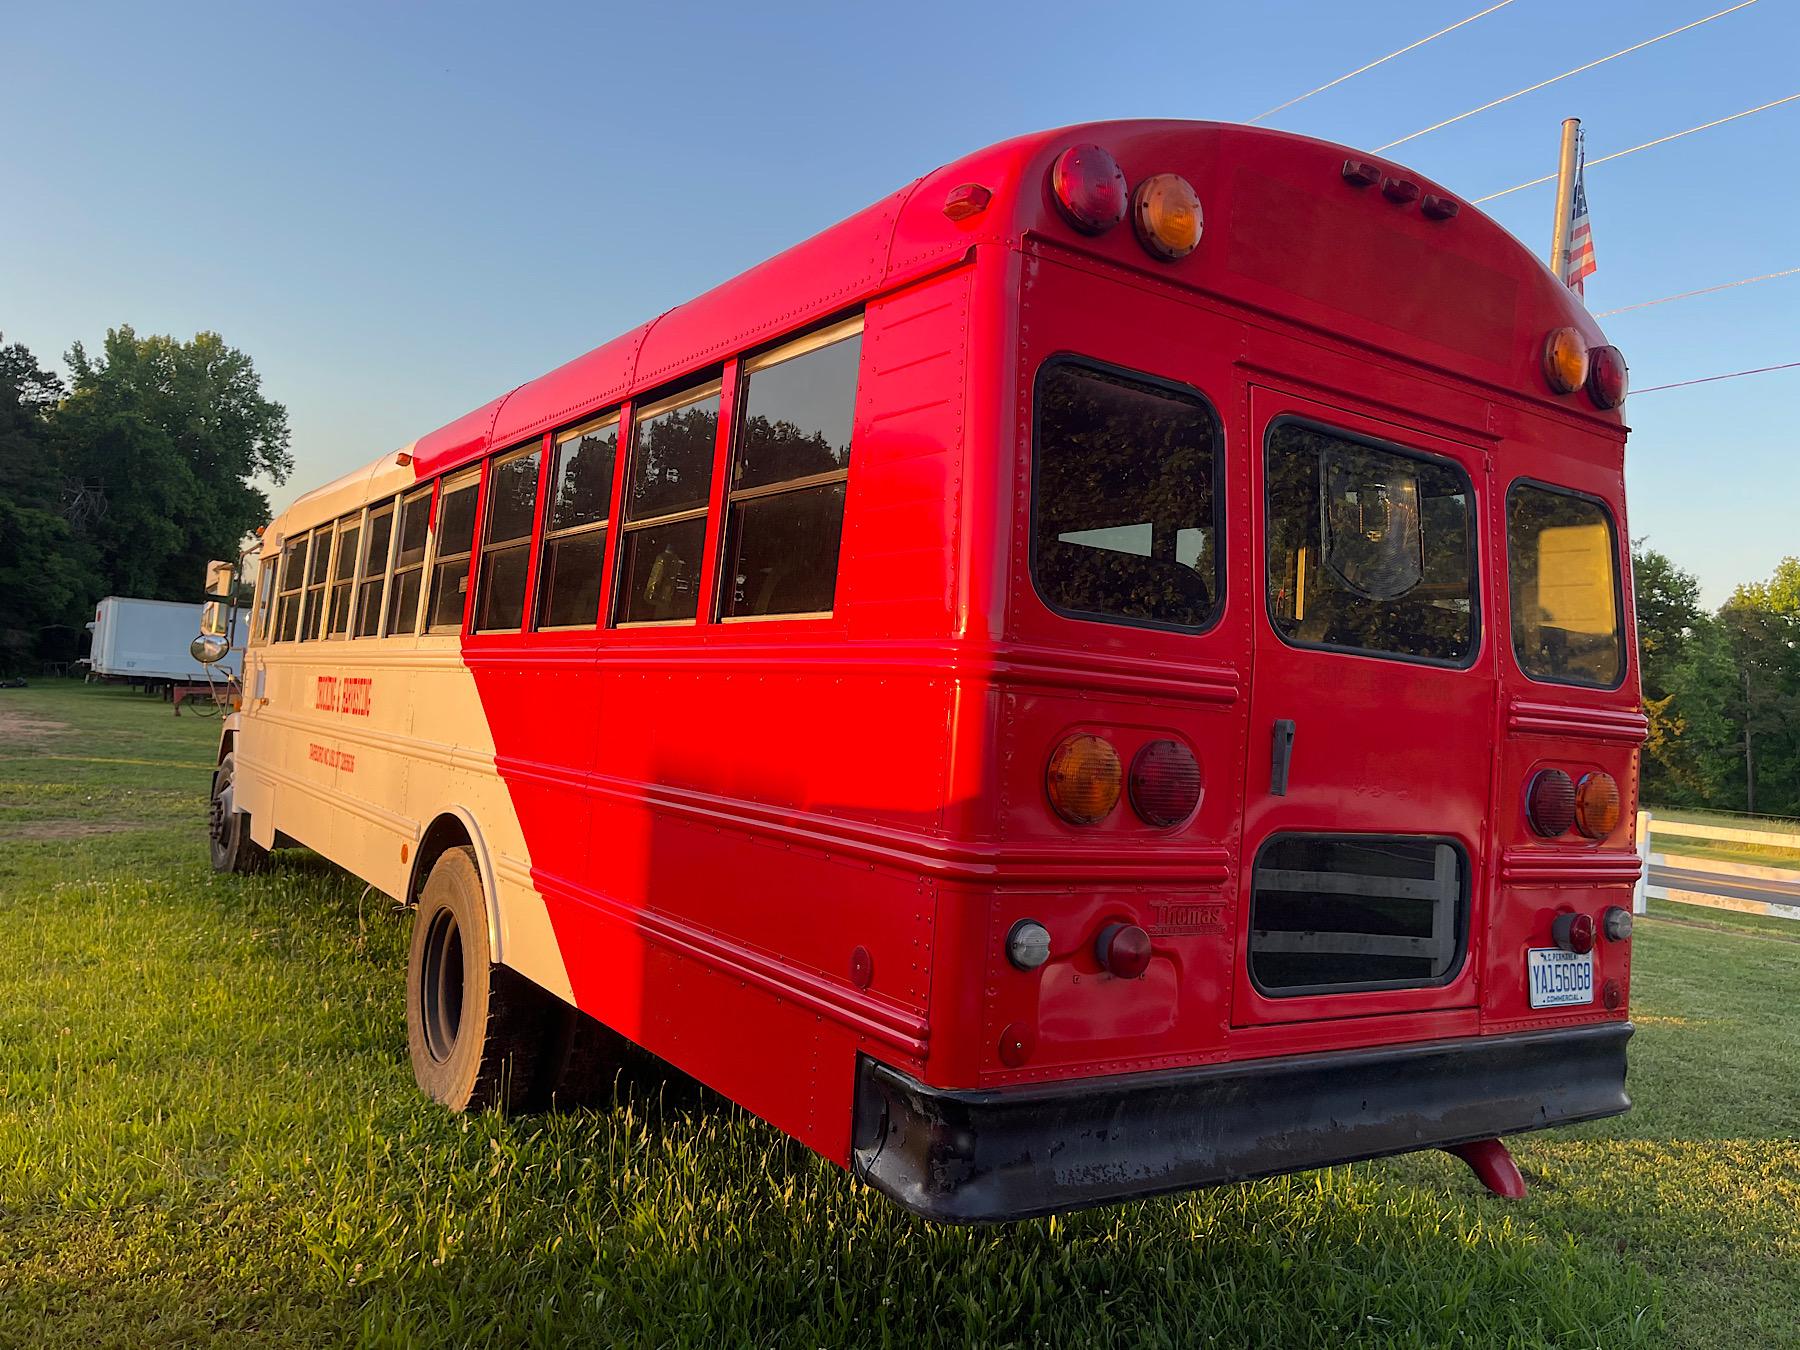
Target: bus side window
{"x":264,"y":602}
{"x":373,"y":570}
{"x":455,"y":545}
{"x":506,"y":540}
{"x":318,"y":563}
{"x":790,"y":465}
{"x":579,"y":500}
{"x":343,"y":576}
{"x":672,"y":447}
{"x":293,"y":571}
{"x":409,"y":563}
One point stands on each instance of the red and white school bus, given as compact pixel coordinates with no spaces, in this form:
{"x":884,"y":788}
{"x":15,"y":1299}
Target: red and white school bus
{"x":1106,"y":672}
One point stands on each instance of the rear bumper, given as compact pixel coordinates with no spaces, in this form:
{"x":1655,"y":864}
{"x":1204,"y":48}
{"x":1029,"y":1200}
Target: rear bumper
{"x":1011,"y":1153}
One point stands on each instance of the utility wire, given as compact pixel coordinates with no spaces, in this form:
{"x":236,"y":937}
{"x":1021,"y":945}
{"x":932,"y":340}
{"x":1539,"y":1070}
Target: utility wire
{"x":1704,"y":290}
{"x":1533,"y":88}
{"x":1410,"y":47}
{"x":1660,"y":140}
{"x":1708,"y":379}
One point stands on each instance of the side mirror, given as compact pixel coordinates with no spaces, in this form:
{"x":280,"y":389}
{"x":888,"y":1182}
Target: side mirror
{"x":210,"y":648}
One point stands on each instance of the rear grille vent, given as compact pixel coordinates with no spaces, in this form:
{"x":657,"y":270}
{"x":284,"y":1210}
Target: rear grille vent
{"x":1336,"y":913}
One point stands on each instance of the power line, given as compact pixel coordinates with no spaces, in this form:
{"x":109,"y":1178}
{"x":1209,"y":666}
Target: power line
{"x":1704,"y":290}
{"x":1410,"y":47}
{"x":1533,"y":88}
{"x":1708,"y":379}
{"x":1660,"y":140}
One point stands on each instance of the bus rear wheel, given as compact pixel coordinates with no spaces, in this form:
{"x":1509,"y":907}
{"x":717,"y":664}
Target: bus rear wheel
{"x":474,"y":1029}
{"x":228,"y":829}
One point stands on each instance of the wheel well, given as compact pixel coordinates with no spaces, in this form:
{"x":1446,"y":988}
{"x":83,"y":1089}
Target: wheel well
{"x":442,"y":835}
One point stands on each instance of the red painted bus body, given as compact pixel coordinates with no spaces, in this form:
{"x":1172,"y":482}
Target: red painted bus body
{"x":787,"y":855}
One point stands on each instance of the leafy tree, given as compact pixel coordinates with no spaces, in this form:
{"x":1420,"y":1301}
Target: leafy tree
{"x":160,"y":441}
{"x":46,"y":573}
{"x":1677,"y":696}
{"x":1763,"y":627}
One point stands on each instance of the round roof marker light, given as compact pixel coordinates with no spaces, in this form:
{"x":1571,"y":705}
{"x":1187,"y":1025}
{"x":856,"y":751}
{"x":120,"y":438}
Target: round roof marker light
{"x":1550,"y":803}
{"x":1089,"y":188}
{"x":1165,"y":783}
{"x":1597,"y":805}
{"x":1166,"y":211}
{"x":1123,"y":949}
{"x":1565,"y":360}
{"x":1083,"y":779}
{"x":1607,"y":377}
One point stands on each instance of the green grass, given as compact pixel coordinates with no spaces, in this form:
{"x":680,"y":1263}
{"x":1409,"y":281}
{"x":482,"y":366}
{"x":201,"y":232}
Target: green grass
{"x":209,"y":1136}
{"x":1728,"y":850}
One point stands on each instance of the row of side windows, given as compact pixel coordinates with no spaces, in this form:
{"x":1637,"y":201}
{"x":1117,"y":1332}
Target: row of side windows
{"x":366,"y":575}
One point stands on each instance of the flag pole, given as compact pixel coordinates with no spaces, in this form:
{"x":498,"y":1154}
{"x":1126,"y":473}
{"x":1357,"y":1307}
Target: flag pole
{"x":1565,"y":184}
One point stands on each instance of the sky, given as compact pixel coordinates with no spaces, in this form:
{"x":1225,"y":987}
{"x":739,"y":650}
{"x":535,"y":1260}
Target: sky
{"x":401,"y":211}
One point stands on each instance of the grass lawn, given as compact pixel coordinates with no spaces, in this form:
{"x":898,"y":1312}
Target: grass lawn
{"x":209,"y":1135}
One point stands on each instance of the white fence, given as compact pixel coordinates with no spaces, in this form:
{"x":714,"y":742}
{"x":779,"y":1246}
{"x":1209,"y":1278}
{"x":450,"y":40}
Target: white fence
{"x":1727,"y":873}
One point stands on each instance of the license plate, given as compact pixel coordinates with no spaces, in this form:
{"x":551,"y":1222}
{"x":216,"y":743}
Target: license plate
{"x":1560,"y":979}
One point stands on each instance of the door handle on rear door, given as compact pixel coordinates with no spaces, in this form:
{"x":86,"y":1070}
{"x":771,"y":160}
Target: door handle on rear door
{"x":1280,"y":755}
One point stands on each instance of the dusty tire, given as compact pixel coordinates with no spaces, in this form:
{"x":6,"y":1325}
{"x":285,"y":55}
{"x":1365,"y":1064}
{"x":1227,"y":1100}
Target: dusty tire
{"x":475,"y":1030}
{"x":227,"y":828}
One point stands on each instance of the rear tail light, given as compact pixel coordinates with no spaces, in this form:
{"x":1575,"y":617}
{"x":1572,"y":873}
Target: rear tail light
{"x":1167,"y":212}
{"x":1607,"y":377}
{"x":1165,"y":783}
{"x":1089,"y":188}
{"x":1573,"y":933}
{"x":1565,"y":360}
{"x":1083,"y":779}
{"x":1123,"y":949}
{"x":1597,"y":805}
{"x":1550,"y":803}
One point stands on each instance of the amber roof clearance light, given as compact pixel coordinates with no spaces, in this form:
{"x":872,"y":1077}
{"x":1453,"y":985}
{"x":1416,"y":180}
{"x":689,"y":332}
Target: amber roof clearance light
{"x":1565,"y":360}
{"x":1166,"y":211}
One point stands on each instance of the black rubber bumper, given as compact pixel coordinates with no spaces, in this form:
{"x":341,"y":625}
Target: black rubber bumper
{"x":1011,"y":1153}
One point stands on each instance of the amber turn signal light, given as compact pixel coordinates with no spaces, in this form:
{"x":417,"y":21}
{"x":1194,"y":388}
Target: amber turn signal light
{"x":1089,"y":188}
{"x":1084,"y":779}
{"x":1565,"y":360}
{"x":1167,"y":213}
{"x":1597,"y":805}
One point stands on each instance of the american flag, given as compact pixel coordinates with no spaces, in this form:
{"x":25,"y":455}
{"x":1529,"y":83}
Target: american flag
{"x":1579,"y":264}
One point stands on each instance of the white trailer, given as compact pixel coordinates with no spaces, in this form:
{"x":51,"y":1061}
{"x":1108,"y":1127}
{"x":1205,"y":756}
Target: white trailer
{"x":146,"y":641}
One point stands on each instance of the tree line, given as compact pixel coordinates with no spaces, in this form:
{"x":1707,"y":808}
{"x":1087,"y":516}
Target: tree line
{"x":129,"y":476}
{"x":1722,"y":690}
{"x":125,"y":479}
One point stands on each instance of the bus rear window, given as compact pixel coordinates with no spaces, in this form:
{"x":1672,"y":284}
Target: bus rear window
{"x":1125,"y":493}
{"x":1370,"y":550}
{"x":1565,"y":587}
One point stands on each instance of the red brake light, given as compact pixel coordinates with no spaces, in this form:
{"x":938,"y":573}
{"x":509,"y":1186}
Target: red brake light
{"x":1089,"y":187}
{"x":1597,"y":805}
{"x":1550,"y":803}
{"x":1165,"y":783}
{"x":1607,"y":377}
{"x":1124,"y":950}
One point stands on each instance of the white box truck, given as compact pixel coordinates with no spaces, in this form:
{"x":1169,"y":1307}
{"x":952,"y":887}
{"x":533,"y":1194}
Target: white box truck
{"x":147,"y":641}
